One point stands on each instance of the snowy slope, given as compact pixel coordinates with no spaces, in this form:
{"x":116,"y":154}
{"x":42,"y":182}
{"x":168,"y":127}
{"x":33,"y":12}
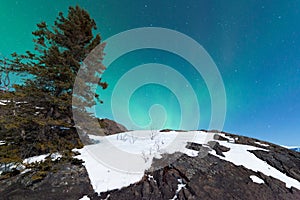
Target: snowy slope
{"x":119,"y":160}
{"x":240,"y":155}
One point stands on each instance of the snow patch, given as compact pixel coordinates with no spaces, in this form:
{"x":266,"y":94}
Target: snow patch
{"x":261,"y":144}
{"x":4,"y":102}
{"x":6,"y":167}
{"x":104,"y":178}
{"x":179,"y":187}
{"x":40,"y":158}
{"x":239,"y":155}
{"x":191,"y":152}
{"x":2,"y":142}
{"x":255,"y":179}
{"x":55,"y":156}
{"x":151,"y":178}
{"x":25,"y":171}
{"x":39,"y":108}
{"x":85,"y":198}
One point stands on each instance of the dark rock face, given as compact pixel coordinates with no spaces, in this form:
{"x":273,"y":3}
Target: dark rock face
{"x":218,"y":148}
{"x":68,"y":182}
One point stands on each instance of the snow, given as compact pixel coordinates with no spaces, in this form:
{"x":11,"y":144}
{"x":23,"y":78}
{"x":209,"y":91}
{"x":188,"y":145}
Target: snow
{"x":2,"y":142}
{"x":255,"y":179}
{"x":191,"y":153}
{"x":239,"y":155}
{"x":55,"y":156}
{"x":60,"y":127}
{"x":85,"y":198}
{"x":261,"y":144}
{"x":34,"y":159}
{"x":40,"y":108}
{"x":104,"y":178}
{"x":119,"y":160}
{"x":25,"y":171}
{"x":3,"y":102}
{"x":10,"y":166}
{"x":151,"y":178}
{"x":179,"y":187}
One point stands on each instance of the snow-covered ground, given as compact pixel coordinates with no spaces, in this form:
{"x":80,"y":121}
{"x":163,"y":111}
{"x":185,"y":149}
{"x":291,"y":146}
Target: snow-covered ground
{"x":240,"y":155}
{"x":119,"y":160}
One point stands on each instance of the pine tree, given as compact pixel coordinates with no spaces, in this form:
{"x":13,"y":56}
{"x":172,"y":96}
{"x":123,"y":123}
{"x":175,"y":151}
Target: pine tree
{"x":60,"y":53}
{"x":45,"y":100}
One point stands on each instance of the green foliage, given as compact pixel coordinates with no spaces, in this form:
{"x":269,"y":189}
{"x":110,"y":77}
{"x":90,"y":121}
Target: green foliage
{"x":60,"y":51}
{"x":30,"y":120}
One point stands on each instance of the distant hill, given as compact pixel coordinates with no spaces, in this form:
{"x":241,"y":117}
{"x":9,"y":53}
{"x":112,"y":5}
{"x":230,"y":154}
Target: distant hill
{"x":295,"y":149}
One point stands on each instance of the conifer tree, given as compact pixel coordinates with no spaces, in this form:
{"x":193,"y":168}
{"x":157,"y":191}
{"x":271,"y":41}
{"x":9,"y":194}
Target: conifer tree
{"x":60,"y":51}
{"x":44,"y":101}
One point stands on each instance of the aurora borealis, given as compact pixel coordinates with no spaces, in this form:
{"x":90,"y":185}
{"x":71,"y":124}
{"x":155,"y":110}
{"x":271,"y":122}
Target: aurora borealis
{"x":255,"y":46}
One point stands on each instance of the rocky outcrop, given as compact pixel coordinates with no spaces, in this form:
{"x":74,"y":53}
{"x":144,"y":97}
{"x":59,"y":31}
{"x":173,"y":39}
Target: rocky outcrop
{"x":188,"y":178}
{"x":110,"y":127}
{"x":209,"y":177}
{"x":62,"y":181}
{"x":204,"y":178}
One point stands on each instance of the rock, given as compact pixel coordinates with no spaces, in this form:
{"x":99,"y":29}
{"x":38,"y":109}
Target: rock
{"x":111,"y":127}
{"x":68,"y":182}
{"x":202,"y":177}
{"x":218,"y":148}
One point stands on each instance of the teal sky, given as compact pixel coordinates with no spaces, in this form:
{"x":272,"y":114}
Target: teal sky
{"x":255,"y":44}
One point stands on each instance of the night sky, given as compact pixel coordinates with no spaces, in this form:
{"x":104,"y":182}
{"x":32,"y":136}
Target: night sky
{"x":254,"y":44}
